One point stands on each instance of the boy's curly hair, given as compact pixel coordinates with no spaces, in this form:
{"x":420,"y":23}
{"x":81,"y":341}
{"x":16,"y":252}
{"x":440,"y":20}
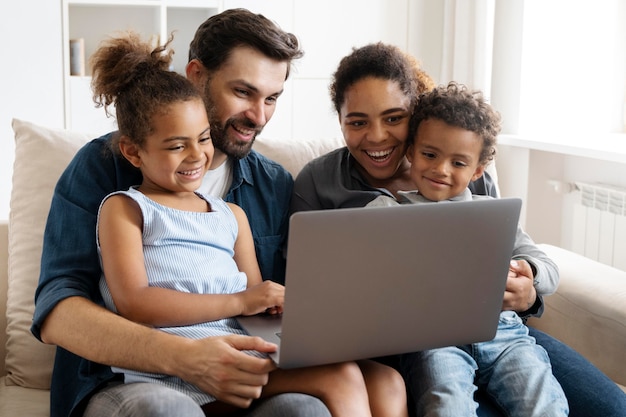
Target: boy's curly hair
{"x":458,"y":106}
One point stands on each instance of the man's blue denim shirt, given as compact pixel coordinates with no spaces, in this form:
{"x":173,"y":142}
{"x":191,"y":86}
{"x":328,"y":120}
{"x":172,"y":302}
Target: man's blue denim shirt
{"x":70,"y":265}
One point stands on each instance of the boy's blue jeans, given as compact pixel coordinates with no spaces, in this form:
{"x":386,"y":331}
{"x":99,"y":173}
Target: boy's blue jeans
{"x":511,"y":369}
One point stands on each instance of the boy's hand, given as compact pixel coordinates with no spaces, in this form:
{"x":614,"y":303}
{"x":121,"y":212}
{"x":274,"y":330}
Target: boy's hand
{"x":520,"y":293}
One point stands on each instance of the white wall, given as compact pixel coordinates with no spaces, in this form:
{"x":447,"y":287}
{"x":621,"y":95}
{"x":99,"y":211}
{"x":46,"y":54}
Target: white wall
{"x":32,"y":82}
{"x":31,"y":86}
{"x":327,"y":30}
{"x":542,"y":178}
{"x":30,"y":76}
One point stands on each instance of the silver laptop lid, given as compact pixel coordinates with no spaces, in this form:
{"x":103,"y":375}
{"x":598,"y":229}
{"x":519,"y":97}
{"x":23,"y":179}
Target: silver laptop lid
{"x":368,"y":282}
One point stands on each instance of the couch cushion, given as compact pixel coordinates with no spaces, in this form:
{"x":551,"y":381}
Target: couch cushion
{"x":294,"y":154}
{"x":20,"y":401}
{"x":41,"y":154}
{"x":587,"y":312}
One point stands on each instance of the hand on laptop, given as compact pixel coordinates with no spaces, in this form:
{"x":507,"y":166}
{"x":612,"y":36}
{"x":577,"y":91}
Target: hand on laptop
{"x":266,"y":297}
{"x":520,"y":294}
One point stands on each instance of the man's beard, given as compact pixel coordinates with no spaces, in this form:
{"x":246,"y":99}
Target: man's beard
{"x":231,"y":148}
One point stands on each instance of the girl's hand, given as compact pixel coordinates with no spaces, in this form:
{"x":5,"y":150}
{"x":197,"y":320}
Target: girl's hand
{"x":267,"y":296}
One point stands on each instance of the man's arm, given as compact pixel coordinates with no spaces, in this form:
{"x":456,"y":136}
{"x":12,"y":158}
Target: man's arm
{"x":215,"y":365}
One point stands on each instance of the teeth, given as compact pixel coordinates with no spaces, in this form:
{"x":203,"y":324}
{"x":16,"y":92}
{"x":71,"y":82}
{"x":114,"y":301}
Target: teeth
{"x":192,"y":172}
{"x":243,"y":131}
{"x":379,"y":154}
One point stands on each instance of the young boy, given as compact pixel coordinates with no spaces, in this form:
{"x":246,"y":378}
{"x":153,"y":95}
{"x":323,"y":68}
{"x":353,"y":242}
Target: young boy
{"x":452,"y":139}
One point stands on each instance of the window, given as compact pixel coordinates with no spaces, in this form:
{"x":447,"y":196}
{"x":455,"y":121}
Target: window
{"x":572,"y":66}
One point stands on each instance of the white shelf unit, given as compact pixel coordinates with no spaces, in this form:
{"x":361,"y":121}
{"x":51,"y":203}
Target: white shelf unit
{"x":95,"y":20}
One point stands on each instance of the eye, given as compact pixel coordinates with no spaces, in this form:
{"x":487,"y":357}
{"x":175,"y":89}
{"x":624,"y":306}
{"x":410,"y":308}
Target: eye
{"x":395,"y":119}
{"x":241,"y":92}
{"x":205,"y":139}
{"x":271,"y":100}
{"x":459,"y":164}
{"x":356,"y":123}
{"x":429,"y":155}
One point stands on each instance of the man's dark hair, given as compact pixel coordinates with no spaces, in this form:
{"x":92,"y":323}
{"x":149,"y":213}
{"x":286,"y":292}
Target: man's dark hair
{"x":220,"y":34}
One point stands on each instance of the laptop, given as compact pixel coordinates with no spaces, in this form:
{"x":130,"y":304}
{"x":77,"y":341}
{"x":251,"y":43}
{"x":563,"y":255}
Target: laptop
{"x":370,"y":282}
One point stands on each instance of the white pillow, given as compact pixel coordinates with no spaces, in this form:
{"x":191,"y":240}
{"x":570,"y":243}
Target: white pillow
{"x":41,"y":155}
{"x":294,"y":154}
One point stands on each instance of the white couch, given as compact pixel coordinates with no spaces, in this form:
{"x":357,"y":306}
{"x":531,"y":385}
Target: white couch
{"x":588,"y":312}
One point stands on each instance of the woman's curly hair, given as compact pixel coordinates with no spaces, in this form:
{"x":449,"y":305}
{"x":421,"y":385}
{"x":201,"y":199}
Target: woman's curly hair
{"x":379,"y":60}
{"x":458,"y":106}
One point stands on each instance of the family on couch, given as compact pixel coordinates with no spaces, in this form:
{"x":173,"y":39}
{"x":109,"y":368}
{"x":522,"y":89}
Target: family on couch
{"x":148,"y":235}
{"x":239,"y":61}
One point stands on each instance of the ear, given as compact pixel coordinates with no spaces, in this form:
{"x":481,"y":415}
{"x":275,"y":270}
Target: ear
{"x":196,"y":72}
{"x":130,"y":151}
{"x":480,"y":169}
{"x":409,"y":153}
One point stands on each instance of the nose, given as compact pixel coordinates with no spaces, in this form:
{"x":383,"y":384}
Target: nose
{"x":440,"y":167}
{"x":377,"y":132}
{"x":258,"y":113}
{"x":196,"y":152}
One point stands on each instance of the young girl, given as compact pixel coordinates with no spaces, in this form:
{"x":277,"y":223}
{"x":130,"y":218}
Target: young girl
{"x":185,"y":262}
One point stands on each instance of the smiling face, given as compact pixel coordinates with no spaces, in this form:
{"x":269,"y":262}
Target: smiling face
{"x":241,"y":98}
{"x":177,"y":152}
{"x":374,"y":119}
{"x":444,"y":159}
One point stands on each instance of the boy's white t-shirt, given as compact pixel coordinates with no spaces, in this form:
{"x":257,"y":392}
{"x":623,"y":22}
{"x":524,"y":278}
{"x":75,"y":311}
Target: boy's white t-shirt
{"x":216,"y":182}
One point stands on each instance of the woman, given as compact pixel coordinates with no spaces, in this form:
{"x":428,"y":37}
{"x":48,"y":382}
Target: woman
{"x":374,"y":90}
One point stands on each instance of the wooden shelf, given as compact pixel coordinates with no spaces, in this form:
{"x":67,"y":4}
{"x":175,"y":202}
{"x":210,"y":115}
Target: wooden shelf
{"x":95,"y":20}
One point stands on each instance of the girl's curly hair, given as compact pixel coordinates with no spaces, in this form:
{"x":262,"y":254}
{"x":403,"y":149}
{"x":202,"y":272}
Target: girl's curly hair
{"x":458,"y":106}
{"x":130,"y":74}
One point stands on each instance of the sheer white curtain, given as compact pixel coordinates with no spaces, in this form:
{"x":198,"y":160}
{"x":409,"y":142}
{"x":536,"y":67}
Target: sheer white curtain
{"x":468,"y":43}
{"x":546,"y":65}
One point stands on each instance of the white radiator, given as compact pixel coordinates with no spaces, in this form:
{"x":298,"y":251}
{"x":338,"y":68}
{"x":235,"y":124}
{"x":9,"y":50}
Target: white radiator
{"x":599,"y":224}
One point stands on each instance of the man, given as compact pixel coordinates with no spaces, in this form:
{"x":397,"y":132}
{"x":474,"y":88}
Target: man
{"x":240,"y":60}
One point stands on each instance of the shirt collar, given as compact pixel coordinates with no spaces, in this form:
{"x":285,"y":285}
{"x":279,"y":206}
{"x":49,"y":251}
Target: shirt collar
{"x":242,"y":172}
{"x":415,"y":196}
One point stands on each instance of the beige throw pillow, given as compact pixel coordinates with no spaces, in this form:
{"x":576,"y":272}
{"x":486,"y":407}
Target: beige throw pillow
{"x":294,"y":154}
{"x":41,"y":155}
